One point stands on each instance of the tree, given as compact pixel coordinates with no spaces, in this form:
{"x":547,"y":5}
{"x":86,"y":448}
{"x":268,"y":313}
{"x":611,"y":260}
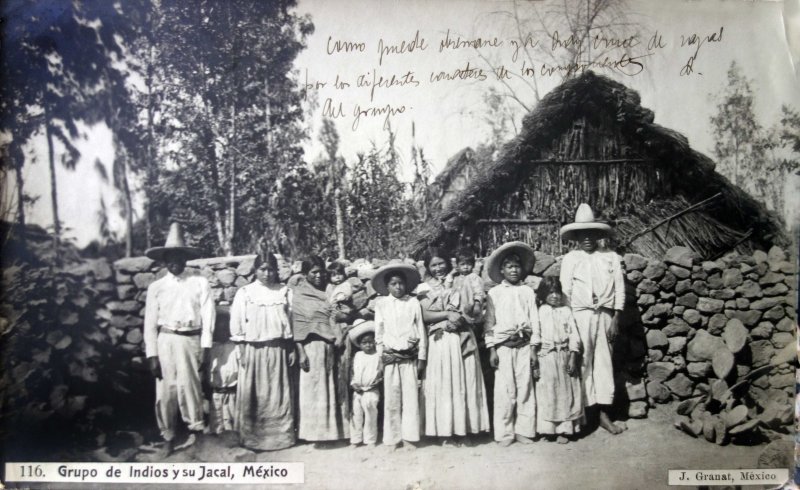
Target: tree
{"x":754,"y":158}
{"x":54,"y":56}
{"x":735,"y":128}
{"x":331,"y":171}
{"x":232,"y":111}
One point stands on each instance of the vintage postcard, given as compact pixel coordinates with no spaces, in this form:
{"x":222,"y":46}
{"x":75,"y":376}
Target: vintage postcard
{"x":414,"y":245}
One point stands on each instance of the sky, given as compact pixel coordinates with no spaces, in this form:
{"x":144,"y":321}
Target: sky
{"x":448,"y":115}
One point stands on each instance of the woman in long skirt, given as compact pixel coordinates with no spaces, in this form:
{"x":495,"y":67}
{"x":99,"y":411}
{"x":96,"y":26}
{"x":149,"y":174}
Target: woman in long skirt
{"x":322,"y":414}
{"x":454,"y":393}
{"x":260,"y":321}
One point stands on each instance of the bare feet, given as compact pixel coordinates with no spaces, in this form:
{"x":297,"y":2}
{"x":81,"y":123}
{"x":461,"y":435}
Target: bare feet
{"x":607,"y":424}
{"x":522,"y":439}
{"x":168,"y":448}
{"x":562,"y":440}
{"x":410,"y":444}
{"x":189,"y":442}
{"x":505,"y":442}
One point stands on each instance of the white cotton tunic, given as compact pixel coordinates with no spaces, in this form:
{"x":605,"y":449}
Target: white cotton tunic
{"x":510,"y":310}
{"x":183,"y":303}
{"x":398,"y":325}
{"x":260,"y":313}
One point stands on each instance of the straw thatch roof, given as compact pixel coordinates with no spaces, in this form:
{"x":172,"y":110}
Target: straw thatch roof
{"x":677,"y":177}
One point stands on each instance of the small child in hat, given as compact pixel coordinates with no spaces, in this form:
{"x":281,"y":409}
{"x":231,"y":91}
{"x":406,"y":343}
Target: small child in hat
{"x":402,"y":343}
{"x":511,"y":318}
{"x":366,"y":376}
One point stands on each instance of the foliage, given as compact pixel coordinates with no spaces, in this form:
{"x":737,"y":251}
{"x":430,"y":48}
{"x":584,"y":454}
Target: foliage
{"x":62,"y":378}
{"x":53,"y":59}
{"x":755,"y":158}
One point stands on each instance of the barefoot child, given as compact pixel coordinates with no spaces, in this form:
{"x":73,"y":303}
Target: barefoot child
{"x":511,"y":317}
{"x":595,"y":290}
{"x":402,"y":344}
{"x":366,"y":377}
{"x":223,"y":375}
{"x":559,"y":404}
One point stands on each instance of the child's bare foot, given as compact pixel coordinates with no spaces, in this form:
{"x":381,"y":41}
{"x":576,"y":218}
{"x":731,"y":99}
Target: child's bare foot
{"x":168,"y":447}
{"x":505,"y":442}
{"x":562,"y":440}
{"x":410,"y":445}
{"x":522,"y":439}
{"x":608,"y":425}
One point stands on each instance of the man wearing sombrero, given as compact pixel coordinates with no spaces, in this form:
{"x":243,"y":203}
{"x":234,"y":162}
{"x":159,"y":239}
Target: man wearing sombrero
{"x":593,"y":284}
{"x":178,"y":327}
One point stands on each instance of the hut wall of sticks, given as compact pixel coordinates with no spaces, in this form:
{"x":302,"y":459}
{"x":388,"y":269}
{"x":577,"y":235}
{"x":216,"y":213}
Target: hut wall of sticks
{"x":590,"y":140}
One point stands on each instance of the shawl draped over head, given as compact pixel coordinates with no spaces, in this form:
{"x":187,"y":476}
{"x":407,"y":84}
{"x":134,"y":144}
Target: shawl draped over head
{"x":311,"y":313}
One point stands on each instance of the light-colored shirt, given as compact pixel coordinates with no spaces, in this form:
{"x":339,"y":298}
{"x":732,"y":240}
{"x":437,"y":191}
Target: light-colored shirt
{"x":556,"y":330}
{"x":224,"y":365}
{"x":365,"y":370}
{"x":260,"y":313}
{"x":181,"y":303}
{"x":593,"y":280}
{"x":510,"y":311}
{"x":398,"y":325}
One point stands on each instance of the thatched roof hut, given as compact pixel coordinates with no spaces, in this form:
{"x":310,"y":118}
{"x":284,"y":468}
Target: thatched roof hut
{"x":590,"y":140}
{"x":456,"y":175}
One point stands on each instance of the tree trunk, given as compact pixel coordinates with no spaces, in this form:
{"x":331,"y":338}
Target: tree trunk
{"x":53,"y":188}
{"x":126,"y":191}
{"x":337,"y":201}
{"x":20,"y":197}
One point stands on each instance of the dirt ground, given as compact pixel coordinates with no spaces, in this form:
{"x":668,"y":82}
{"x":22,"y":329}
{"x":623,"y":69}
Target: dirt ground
{"x":637,"y":459}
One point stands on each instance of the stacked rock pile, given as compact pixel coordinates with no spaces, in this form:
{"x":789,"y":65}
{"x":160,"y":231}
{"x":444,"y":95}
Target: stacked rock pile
{"x":710,"y":324}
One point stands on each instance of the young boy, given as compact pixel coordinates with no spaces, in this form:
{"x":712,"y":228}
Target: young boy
{"x":366,"y":377}
{"x":402,"y":344}
{"x":511,"y":315}
{"x":223,"y":375}
{"x":595,"y":289}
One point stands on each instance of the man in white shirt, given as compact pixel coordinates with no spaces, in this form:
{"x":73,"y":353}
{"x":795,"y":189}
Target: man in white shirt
{"x":594,"y":286}
{"x":178,"y":328}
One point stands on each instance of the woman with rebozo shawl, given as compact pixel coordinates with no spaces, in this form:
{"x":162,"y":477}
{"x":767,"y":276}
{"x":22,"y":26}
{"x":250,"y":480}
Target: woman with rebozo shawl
{"x":453,"y":389}
{"x":321,"y":413}
{"x":260,"y":321}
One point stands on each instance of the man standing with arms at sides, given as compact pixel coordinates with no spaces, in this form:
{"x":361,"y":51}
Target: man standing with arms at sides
{"x":178,"y":327}
{"x":593,"y":283}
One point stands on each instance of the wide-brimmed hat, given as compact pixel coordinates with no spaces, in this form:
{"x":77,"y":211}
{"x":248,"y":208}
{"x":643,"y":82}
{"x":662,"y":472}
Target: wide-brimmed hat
{"x":174,"y":243}
{"x":360,"y":327}
{"x":408,"y":271}
{"x":495,"y":261}
{"x":584,"y":220}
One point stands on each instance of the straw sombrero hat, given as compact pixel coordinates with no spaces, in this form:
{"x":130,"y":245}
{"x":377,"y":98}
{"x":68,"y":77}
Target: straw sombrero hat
{"x":175,"y":242}
{"x":495,"y":260}
{"x":584,"y":220}
{"x":410,"y":273}
{"x":360,"y":327}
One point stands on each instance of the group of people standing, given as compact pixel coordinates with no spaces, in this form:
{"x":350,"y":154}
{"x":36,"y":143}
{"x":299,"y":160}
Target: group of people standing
{"x":298,"y":362}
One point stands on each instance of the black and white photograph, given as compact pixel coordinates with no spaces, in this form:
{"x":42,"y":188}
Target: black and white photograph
{"x":408,"y":245}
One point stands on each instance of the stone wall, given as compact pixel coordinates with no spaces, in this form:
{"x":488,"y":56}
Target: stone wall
{"x":134,"y":275}
{"x":691,"y":328}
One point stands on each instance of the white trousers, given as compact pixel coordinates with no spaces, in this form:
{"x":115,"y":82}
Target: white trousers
{"x":179,"y":389}
{"x":364,"y":424}
{"x":514,"y":400}
{"x":401,"y":402}
{"x":597,"y":371}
